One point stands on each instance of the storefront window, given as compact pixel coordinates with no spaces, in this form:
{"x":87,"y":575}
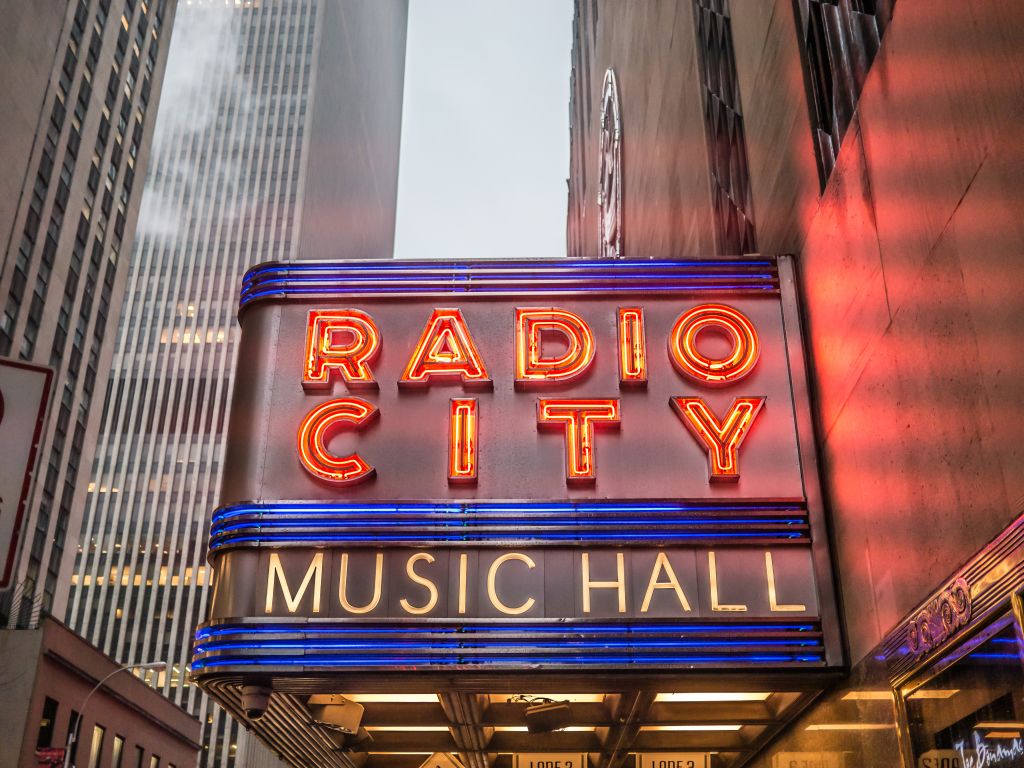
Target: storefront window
{"x":971,"y":714}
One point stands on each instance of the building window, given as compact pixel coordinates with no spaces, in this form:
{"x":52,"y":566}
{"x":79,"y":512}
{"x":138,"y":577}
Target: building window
{"x":723,"y":127}
{"x":117,"y":753}
{"x":140,"y":753}
{"x":46,"y":723}
{"x":154,"y":761}
{"x":840,"y":39}
{"x":96,"y":748}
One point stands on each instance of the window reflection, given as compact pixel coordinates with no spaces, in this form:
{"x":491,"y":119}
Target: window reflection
{"x":971,"y":715}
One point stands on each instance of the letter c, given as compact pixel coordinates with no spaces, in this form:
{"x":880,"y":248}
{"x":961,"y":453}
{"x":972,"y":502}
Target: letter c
{"x":492,"y":574}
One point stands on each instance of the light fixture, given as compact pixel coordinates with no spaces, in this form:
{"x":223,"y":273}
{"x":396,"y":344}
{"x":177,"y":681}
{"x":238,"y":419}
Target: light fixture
{"x":996,"y":725}
{"x":336,"y":711}
{"x":850,"y":727}
{"x":408,"y":728}
{"x":709,"y":696}
{"x":393,"y":698}
{"x":543,"y":714}
{"x":698,"y":728}
{"x":934,"y":693}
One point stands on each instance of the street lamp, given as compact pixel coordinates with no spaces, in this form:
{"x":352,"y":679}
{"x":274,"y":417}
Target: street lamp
{"x":156,"y":666}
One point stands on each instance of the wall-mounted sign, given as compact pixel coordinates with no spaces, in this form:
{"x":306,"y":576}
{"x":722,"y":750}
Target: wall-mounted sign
{"x":550,"y":760}
{"x":24,"y":390}
{"x":496,"y":465}
{"x":673,"y":760}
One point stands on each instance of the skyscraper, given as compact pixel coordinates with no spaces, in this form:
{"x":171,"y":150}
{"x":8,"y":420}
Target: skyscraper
{"x":279,"y":139}
{"x":79,"y":82}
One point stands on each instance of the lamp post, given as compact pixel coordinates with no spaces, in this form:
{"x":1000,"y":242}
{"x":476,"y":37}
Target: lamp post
{"x":156,"y":666}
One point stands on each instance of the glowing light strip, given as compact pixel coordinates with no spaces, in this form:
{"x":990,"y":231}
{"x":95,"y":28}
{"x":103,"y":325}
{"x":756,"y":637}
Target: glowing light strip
{"x":313,"y":540}
{"x":306,"y":628}
{"x":405,"y":661}
{"x":517,"y":508}
{"x":297,"y":280}
{"x":382,"y":645}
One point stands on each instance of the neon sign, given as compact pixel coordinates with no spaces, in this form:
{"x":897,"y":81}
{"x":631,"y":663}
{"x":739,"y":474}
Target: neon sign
{"x":456,"y":467}
{"x":447,"y":353}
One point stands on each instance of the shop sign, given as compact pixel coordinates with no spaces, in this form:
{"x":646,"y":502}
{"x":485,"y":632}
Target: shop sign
{"x":809,"y":760}
{"x":552,"y":441}
{"x":941,"y":758}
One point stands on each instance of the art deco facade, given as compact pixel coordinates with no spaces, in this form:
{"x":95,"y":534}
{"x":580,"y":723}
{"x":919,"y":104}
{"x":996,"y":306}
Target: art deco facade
{"x":280,"y":140}
{"x":80,"y":82}
{"x":878,"y":143}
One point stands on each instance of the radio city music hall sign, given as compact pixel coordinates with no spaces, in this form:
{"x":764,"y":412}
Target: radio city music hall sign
{"x":475,"y":445}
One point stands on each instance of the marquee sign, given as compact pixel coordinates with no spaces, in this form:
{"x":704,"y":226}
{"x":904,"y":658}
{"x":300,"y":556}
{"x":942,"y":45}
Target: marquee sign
{"x":494,"y":465}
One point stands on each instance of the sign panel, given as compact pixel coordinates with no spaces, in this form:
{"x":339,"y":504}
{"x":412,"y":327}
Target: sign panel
{"x":550,"y":760}
{"x":673,"y":760}
{"x":24,"y":390}
{"x":611,"y":461}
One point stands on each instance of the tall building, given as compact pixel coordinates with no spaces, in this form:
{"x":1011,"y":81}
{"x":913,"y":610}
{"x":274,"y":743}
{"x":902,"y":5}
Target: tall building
{"x":878,"y":143}
{"x":80,"y":82}
{"x":279,"y":139}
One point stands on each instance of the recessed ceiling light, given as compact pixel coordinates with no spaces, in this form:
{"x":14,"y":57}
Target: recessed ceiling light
{"x":690,"y":727}
{"x":989,"y":725}
{"x":934,"y":693}
{"x":713,"y":696}
{"x":393,"y":698}
{"x":850,"y":726}
{"x":868,"y":696}
{"x":407,"y":728}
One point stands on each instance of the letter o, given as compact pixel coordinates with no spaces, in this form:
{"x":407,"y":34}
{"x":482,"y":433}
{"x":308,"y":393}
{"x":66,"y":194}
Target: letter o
{"x":688,"y":360}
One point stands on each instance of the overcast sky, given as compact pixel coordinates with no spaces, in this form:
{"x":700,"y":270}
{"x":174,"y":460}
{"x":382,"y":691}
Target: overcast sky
{"x":485,"y":129}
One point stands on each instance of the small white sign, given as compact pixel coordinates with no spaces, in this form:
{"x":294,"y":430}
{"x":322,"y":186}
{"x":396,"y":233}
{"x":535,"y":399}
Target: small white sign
{"x":942,"y":758}
{"x":808,"y":760}
{"x":24,"y":390}
{"x":551,"y":760}
{"x":673,"y":760}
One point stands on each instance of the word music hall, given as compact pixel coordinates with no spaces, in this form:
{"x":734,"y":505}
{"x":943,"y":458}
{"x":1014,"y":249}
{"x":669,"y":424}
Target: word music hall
{"x":479,"y":479}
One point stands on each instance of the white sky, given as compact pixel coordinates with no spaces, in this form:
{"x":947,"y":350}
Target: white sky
{"x":485,"y":130}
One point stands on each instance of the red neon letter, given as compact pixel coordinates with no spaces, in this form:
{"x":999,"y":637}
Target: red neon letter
{"x":579,"y":418}
{"x":447,"y":350}
{"x":463,"y":429}
{"x":344,"y":340}
{"x":721,"y":439}
{"x":632,"y":347}
{"x":316,"y":431}
{"x":531,"y":365}
{"x":682,"y":344}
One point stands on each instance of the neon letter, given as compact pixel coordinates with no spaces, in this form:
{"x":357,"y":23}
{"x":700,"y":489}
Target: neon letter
{"x":423,"y":581}
{"x":326,"y":352}
{"x":721,"y":439}
{"x":316,"y":431}
{"x":619,"y":583}
{"x":275,"y":572}
{"x":446,"y":350}
{"x":579,"y":418}
{"x":632,"y":347}
{"x":682,"y":344}
{"x":713,"y":579}
{"x":531,"y":365}
{"x":662,"y":564}
{"x":773,"y":593}
{"x":378,"y":577}
{"x":463,"y":430}
{"x":492,"y":576}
